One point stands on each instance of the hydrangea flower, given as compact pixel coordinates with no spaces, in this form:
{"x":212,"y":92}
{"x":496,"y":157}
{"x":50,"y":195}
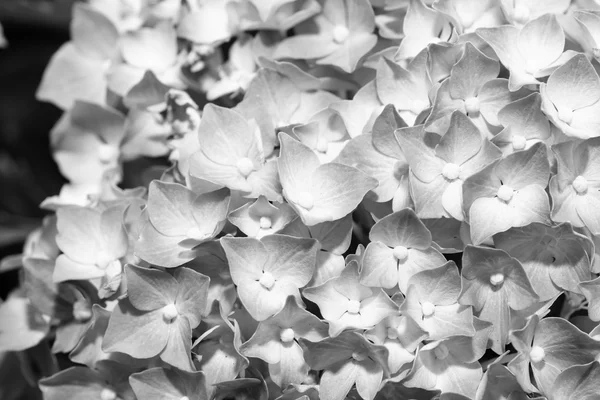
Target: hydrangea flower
{"x":574,"y":189}
{"x":347,"y":304}
{"x":407,"y":89}
{"x":176,"y":220}
{"x":524,"y":125}
{"x":78,"y":71}
{"x":400,"y":335}
{"x":231,"y":155}
{"x":431,"y":300}
{"x":548,"y":347}
{"x":319,"y":193}
{"x":268,"y":270}
{"x":468,"y":15}
{"x":158,"y":315}
{"x":508,"y":193}
{"x":571,"y":98}
{"x":448,"y":365}
{"x":93,"y":242}
{"x":400,"y":247}
{"x":519,"y":12}
{"x":347,"y":360}
{"x":529,"y":52}
{"x":423,"y":26}
{"x":474,"y":89}
{"x":438,"y":170}
{"x":379,"y":155}
{"x":340,"y":35}
{"x":217,"y":351}
{"x":494,"y":283}
{"x":276,"y":342}
{"x":555,"y":258}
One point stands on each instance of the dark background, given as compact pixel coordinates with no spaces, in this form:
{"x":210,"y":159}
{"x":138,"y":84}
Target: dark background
{"x":34,"y":30}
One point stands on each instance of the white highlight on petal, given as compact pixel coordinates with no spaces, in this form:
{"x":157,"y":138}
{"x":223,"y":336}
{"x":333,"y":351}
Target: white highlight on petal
{"x":518,"y":142}
{"x":537,"y":354}
{"x":287,"y":335}
{"x":322,"y":145}
{"x":580,"y":184}
{"x":340,"y":34}
{"x":497,"y":279}
{"x":565,"y":115}
{"x":195,"y":233}
{"x":505,"y":193}
{"x":427,"y":309}
{"x":472,"y":105}
{"x":521,"y":14}
{"x":108,"y":394}
{"x":400,"y":253}
{"x":267,"y":280}
{"x":441,"y":351}
{"x":451,"y":171}
{"x":170,"y":312}
{"x":265,"y":222}
{"x":353,"y":307}
{"x":245,"y":166}
{"x":305,"y":200}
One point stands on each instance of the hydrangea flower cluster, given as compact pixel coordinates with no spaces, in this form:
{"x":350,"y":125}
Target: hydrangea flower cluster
{"x":339,"y":199}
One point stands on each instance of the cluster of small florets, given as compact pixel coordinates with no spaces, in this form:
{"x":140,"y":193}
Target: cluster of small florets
{"x":309,"y":168}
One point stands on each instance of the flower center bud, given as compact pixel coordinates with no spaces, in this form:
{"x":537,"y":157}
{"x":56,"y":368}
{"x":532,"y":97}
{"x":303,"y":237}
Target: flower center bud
{"x":108,"y":154}
{"x":81,"y":311}
{"x":521,"y":14}
{"x":472,"y":105}
{"x":287,"y":335}
{"x":580,"y":184}
{"x":340,"y":34}
{"x":306,"y":200}
{"x":427,"y":309}
{"x":505,"y":193}
{"x":565,"y":115}
{"x":497,"y":279}
{"x":359,"y":356}
{"x":537,"y":354}
{"x":392,"y":333}
{"x":108,"y":394}
{"x":400,"y":253}
{"x":267,"y":280}
{"x":441,"y":352}
{"x":400,"y":169}
{"x":451,"y":171}
{"x":170,"y":312}
{"x":265,"y":222}
{"x":518,"y":142}
{"x":353,"y":307}
{"x":245,"y":166}
{"x":322,"y":145}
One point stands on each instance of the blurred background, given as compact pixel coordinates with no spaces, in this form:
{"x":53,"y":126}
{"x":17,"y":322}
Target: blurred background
{"x":34,"y":30}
